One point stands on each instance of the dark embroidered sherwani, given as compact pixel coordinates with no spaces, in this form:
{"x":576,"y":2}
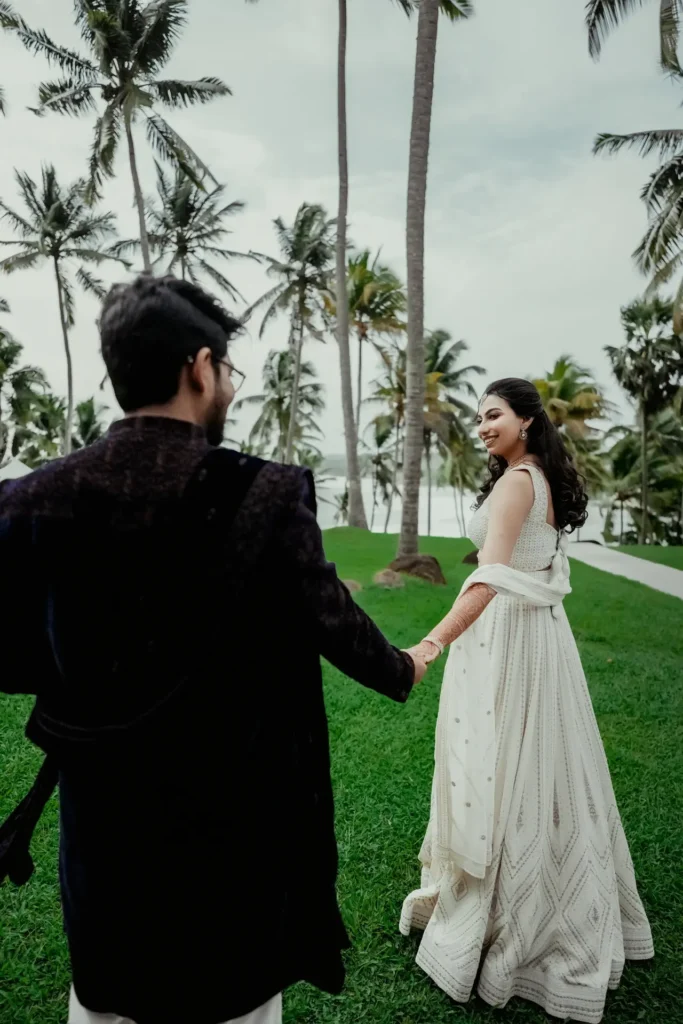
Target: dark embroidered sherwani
{"x":173,"y":601}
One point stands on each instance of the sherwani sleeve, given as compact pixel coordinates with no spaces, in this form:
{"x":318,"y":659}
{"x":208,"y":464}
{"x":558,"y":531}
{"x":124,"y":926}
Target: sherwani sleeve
{"x":342,"y":632}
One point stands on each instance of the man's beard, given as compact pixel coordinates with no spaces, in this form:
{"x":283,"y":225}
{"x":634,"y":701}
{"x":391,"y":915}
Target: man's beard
{"x":215,"y":424}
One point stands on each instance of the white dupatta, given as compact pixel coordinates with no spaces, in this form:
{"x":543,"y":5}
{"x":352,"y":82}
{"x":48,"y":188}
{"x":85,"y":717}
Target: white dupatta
{"x":465,"y":752}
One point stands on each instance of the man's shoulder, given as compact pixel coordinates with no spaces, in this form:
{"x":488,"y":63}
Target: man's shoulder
{"x":44,"y":489}
{"x":231,"y":460}
{"x":266,"y":488}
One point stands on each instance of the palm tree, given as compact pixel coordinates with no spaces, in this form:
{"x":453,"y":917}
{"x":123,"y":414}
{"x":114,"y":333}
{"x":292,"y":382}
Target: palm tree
{"x":60,"y":228}
{"x":20,"y":386}
{"x":185,"y":231}
{"x":302,"y":273}
{"x":376,"y":301}
{"x":649,"y":366}
{"x":602,"y":15}
{"x":571,"y":397}
{"x":440,"y":422}
{"x":351,"y":427}
{"x":447,"y":415}
{"x":425,"y":60}
{"x":664,"y":513}
{"x":442,"y":356}
{"x":273,"y":429}
{"x":40,"y":436}
{"x":659,"y":252}
{"x":9,"y":19}
{"x":128,"y":44}
{"x":88,"y":423}
{"x":462,"y":469}
{"x":382,"y":463}
{"x":390,"y":389}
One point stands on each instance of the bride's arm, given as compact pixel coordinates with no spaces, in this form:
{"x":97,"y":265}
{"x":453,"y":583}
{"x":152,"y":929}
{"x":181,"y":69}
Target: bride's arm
{"x":511,"y":501}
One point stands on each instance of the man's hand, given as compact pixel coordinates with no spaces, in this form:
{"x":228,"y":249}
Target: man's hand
{"x":425,"y":651}
{"x":420,"y":666}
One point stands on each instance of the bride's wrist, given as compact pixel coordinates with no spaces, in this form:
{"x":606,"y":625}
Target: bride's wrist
{"x":435,"y":642}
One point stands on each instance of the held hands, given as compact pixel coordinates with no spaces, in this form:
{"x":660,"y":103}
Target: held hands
{"x":423,"y":654}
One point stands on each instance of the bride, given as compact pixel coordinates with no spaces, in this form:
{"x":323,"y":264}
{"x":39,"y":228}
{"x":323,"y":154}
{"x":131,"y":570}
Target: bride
{"x":527,"y":880}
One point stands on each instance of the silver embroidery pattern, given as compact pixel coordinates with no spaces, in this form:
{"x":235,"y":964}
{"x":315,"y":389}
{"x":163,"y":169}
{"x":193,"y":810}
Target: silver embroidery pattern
{"x":558,"y":911}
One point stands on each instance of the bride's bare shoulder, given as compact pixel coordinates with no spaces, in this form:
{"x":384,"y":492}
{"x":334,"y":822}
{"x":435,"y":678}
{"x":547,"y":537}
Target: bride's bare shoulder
{"x":513,"y":488}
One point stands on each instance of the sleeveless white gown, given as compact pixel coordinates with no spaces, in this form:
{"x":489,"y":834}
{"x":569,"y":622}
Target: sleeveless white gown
{"x":526,"y":873}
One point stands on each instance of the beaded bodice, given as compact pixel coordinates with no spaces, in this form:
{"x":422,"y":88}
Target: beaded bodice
{"x":537,"y":543}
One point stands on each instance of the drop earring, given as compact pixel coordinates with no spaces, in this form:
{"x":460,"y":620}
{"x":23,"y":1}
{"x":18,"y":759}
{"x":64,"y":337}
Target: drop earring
{"x":523,"y":434}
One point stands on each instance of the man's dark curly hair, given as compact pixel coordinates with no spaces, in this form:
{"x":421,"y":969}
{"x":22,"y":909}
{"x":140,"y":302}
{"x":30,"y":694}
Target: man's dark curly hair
{"x":151,"y":328}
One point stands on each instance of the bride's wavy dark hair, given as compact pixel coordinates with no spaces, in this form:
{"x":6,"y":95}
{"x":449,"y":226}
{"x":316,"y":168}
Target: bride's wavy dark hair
{"x":545,"y":442}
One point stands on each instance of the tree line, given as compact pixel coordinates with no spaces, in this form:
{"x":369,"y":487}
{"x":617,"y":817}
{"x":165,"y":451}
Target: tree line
{"x":321,"y":284}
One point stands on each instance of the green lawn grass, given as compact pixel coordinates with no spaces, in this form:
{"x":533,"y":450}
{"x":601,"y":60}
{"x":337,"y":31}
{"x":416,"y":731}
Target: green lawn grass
{"x":672,"y":556}
{"x":632,"y":646}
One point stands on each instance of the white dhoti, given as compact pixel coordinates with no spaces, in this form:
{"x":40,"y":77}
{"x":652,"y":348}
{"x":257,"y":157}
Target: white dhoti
{"x":269,"y":1013}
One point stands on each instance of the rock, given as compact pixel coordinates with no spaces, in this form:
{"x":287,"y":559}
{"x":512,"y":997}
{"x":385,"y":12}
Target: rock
{"x":425,"y":567}
{"x":353,"y":586}
{"x":471,"y":559}
{"x":388,"y":578}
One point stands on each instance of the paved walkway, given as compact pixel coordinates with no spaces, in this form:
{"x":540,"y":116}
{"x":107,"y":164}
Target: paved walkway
{"x":659,"y":577}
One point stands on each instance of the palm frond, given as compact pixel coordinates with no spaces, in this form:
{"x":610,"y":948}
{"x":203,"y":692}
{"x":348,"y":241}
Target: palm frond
{"x":455,"y":9}
{"x":8,"y":16}
{"x":20,"y":261}
{"x":407,"y":6}
{"x":669,"y":31}
{"x":102,"y":152}
{"x":126,"y":246}
{"x":68,"y":299}
{"x":90,"y":283}
{"x":19,"y":223}
{"x":220,"y":280}
{"x":604,"y":15}
{"x":667,"y":178}
{"x":66,"y":96}
{"x":38,"y":42}
{"x":173,"y":93}
{"x":3,"y":105}
{"x":664,"y":273}
{"x":664,"y":141}
{"x":170,"y":146}
{"x":164,"y":20}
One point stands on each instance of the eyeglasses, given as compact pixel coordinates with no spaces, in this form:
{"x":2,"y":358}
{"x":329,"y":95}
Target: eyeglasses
{"x":236,"y":376}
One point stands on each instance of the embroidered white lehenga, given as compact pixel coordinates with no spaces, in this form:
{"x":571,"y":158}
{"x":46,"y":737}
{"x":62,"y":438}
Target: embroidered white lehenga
{"x":526,"y":872}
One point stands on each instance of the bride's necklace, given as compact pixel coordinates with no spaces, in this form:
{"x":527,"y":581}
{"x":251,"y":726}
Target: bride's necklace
{"x":517,"y":462}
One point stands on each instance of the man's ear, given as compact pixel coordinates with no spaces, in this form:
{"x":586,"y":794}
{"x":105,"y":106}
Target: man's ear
{"x":200,"y":370}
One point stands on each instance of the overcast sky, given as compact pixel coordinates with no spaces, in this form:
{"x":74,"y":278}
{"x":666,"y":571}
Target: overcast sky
{"x":528,"y":235}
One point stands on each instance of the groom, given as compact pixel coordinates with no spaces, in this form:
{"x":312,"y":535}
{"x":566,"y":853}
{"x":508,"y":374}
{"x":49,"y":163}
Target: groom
{"x":172,"y":599}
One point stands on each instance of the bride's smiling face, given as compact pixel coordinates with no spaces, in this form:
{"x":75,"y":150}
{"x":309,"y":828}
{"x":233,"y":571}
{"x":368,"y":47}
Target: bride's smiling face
{"x":499,"y":427}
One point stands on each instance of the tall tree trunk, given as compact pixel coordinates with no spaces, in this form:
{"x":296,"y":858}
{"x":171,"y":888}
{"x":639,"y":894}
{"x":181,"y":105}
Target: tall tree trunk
{"x":66,"y":446}
{"x":394,"y":476}
{"x":374,"y":500}
{"x":644,"y":475}
{"x":356,"y":509}
{"x":425,"y":59}
{"x":139,"y":201}
{"x":359,"y":393}
{"x":294,"y":407}
{"x":621,"y":522}
{"x":182,"y":267}
{"x":428,"y":447}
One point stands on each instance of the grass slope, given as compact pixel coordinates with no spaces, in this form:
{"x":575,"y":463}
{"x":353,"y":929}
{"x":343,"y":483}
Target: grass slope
{"x":632,"y":646}
{"x":672,"y":556}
